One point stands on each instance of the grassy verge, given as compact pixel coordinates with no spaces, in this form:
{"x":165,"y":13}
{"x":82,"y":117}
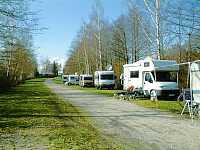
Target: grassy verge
{"x":57,"y":80}
{"x":171,"y":106}
{"x":105,"y":92}
{"x":31,"y":117}
{"x":109,"y":93}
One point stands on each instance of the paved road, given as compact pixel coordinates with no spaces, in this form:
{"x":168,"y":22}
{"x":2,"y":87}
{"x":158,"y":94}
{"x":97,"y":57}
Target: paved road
{"x":136,"y":127}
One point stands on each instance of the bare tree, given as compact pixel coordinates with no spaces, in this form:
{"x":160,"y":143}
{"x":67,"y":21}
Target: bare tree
{"x":156,"y":19}
{"x":17,"y":58}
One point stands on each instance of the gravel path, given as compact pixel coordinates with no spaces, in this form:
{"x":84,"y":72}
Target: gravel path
{"x":136,"y":127}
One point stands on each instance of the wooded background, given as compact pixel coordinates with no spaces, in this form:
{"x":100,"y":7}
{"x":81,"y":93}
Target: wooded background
{"x":162,"y":29}
{"x":17,"y":59}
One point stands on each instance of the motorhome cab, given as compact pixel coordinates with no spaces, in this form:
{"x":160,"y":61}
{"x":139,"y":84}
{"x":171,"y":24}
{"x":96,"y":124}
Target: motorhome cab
{"x":65,"y":78}
{"x":104,"y":79}
{"x":86,"y":80}
{"x":73,"y":80}
{"x":153,"y":77}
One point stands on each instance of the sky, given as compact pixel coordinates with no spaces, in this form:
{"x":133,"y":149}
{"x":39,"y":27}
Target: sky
{"x":63,"y":19}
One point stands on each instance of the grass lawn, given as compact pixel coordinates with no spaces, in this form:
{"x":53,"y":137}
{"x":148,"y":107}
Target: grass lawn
{"x":32,"y":117}
{"x":109,"y":93}
{"x":105,"y":92}
{"x":171,"y":106}
{"x":57,"y":80}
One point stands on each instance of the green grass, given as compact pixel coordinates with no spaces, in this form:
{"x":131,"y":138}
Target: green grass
{"x":57,"y":80}
{"x":171,"y":106}
{"x":32,"y":117}
{"x":109,"y":93}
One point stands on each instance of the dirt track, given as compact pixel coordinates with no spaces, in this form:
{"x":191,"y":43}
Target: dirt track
{"x":136,"y":127}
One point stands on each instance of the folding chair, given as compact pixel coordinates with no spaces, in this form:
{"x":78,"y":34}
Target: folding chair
{"x":191,"y":96}
{"x":187,"y":99}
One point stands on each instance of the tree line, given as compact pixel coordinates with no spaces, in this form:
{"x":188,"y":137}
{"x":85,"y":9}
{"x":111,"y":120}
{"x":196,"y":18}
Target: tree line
{"x":49,"y":68}
{"x":17,"y":58}
{"x":160,"y":29}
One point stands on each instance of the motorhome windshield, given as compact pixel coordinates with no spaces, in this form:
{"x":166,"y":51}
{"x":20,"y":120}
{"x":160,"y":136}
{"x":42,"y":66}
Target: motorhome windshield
{"x":88,"y":78}
{"x":73,"y":78}
{"x":165,"y":76}
{"x":107,"y":77}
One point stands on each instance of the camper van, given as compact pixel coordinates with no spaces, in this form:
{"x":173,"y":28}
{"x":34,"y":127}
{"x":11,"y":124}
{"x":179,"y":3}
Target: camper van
{"x":104,"y":79}
{"x":65,"y":78}
{"x":72,"y":80}
{"x":86,"y":80}
{"x":152,"y":77}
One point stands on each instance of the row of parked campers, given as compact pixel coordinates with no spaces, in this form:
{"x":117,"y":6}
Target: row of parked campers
{"x":71,"y":79}
{"x":101,"y":79}
{"x":151,"y":77}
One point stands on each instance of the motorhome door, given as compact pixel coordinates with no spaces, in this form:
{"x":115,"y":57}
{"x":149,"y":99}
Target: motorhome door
{"x":133,"y":78}
{"x":148,"y":83}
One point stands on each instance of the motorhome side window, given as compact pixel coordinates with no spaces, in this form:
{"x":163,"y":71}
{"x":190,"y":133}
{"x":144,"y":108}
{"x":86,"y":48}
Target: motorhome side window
{"x":72,"y":78}
{"x":134,"y":74}
{"x":88,"y":78}
{"x":148,"y":78}
{"x":107,"y":77}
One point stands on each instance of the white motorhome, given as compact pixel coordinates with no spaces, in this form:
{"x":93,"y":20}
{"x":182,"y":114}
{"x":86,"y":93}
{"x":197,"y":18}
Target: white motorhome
{"x":104,"y":79}
{"x":65,"y":78}
{"x":153,"y":77}
{"x":72,"y":80}
{"x":86,"y":80}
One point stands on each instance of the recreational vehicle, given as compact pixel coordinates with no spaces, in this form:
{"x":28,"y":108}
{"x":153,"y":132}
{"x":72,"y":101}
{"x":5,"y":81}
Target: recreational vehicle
{"x":65,"y":78}
{"x":104,"y":79}
{"x":152,"y":77}
{"x":86,"y":80}
{"x":72,"y":80}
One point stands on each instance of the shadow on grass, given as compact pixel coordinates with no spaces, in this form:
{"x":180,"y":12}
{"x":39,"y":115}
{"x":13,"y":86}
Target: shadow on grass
{"x":31,"y":100}
{"x":33,"y":112}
